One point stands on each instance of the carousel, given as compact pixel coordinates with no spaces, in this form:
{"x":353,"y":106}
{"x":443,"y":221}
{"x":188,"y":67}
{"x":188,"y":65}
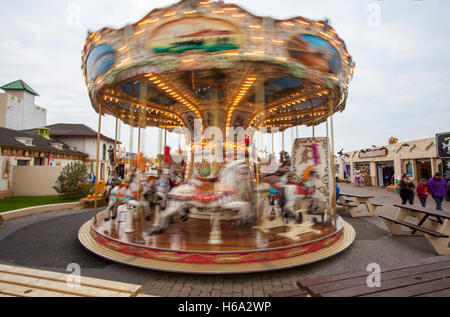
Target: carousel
{"x":226,"y":81}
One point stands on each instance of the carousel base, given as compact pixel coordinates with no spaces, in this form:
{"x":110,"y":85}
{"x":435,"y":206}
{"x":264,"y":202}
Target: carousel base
{"x":184,"y":248}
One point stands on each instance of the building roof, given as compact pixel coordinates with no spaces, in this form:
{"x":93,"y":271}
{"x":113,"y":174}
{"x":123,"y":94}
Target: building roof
{"x":8,"y":138}
{"x":19,"y":85}
{"x":71,"y":130}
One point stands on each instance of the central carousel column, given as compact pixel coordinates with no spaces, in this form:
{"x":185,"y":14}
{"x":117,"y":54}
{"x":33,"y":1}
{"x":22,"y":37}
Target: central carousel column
{"x":333,"y":165}
{"x":260,"y":101}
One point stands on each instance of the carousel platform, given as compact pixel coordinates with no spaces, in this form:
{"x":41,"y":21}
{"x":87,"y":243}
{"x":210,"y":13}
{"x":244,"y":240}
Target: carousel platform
{"x":184,"y":247}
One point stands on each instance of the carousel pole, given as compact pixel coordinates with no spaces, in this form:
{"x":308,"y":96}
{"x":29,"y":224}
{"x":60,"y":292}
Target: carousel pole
{"x":260,"y":101}
{"x":115,"y":137}
{"x":98,"y":157}
{"x":313,"y":126}
{"x":273,"y":150}
{"x":333,"y":165}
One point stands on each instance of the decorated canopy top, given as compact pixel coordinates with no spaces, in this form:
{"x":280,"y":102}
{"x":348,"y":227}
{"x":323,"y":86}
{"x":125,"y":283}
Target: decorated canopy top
{"x":218,"y":63}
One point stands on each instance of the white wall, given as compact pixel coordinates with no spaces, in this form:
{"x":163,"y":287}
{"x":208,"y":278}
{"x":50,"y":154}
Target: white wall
{"x":22,"y":113}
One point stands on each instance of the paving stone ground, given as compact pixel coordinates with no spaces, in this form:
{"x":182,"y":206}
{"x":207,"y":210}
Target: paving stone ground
{"x":49,"y":242}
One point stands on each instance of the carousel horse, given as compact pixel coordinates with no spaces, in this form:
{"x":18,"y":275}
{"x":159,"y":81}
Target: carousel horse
{"x":224,"y":194}
{"x":113,"y":181}
{"x":162,"y":187}
{"x":121,"y":196}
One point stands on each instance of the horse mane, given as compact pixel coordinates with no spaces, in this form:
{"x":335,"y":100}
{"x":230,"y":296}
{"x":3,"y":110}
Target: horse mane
{"x":307,"y":173}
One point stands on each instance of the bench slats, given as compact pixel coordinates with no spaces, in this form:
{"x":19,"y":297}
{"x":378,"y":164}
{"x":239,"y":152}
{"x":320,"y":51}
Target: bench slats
{"x":415,"y":290}
{"x":386,"y":276}
{"x":314,"y":280}
{"x":347,"y":205}
{"x":443,"y":293}
{"x":388,"y":285}
{"x":293,"y":293}
{"x":431,"y":212}
{"x":20,"y":281}
{"x":415,"y":227}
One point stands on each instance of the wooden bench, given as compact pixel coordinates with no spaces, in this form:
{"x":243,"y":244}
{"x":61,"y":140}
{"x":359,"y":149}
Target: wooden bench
{"x":436,"y":230}
{"x":420,"y":278}
{"x":347,"y":205}
{"x":359,"y":199}
{"x":415,"y":227}
{"x":24,"y":282}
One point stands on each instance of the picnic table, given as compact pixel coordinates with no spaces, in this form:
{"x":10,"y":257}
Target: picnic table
{"x":433,"y":224}
{"x":358,"y":199}
{"x":427,"y":277}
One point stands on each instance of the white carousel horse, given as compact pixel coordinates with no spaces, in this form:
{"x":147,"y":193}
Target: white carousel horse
{"x":113,"y":181}
{"x":223,"y":196}
{"x":162,"y":187}
{"x":122,"y":196}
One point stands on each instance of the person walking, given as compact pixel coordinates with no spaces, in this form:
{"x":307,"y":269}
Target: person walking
{"x":422,"y":191}
{"x":407,"y":189}
{"x":438,"y":188}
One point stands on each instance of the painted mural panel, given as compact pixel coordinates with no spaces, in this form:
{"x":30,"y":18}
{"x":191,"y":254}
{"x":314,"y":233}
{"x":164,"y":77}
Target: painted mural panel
{"x":315,"y":52}
{"x":100,"y":59}
{"x":191,"y":34}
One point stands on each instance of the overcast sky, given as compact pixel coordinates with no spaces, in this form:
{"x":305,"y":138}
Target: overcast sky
{"x":401,"y":49}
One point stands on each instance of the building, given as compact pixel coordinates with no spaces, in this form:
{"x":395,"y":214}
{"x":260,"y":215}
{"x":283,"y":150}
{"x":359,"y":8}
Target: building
{"x":383,"y":165}
{"x":18,"y":110}
{"x":83,"y":139}
{"x":22,"y":149}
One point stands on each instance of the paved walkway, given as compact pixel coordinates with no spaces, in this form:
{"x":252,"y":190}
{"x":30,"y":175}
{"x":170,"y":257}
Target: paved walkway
{"x":49,"y":242}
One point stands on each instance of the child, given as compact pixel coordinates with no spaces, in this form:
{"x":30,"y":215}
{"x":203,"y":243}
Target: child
{"x":422,"y":191}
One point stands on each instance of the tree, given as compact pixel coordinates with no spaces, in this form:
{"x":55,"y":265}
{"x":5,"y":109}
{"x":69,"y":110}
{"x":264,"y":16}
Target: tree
{"x":74,"y":182}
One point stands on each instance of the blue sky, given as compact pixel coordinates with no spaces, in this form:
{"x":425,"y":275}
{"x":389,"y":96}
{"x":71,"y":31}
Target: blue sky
{"x":400,"y":87}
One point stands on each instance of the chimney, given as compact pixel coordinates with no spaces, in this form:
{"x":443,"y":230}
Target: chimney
{"x":44,"y":132}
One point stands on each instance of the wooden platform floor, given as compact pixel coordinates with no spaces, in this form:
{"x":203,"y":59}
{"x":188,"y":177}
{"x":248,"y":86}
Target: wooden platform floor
{"x":193,"y":235}
{"x":110,"y":253}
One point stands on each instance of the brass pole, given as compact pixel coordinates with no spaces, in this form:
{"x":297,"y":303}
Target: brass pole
{"x":333,"y":165}
{"x":314,"y":126}
{"x":115,"y":138}
{"x":273,"y":150}
{"x":260,"y":101}
{"x":98,"y":154}
{"x":139,"y":140}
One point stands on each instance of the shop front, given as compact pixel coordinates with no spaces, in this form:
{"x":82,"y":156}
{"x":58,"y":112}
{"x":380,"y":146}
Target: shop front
{"x":383,"y":166}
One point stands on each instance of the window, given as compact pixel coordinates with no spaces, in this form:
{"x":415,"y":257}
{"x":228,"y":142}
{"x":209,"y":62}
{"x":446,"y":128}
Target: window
{"x":58,"y":146}
{"x":23,"y":163}
{"x":104,"y":152}
{"x":25,"y":141}
{"x":38,"y":161}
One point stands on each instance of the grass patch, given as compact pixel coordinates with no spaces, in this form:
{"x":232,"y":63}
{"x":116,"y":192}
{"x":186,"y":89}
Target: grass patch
{"x":14,"y":203}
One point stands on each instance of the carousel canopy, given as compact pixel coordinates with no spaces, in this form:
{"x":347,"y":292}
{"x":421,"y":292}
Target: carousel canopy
{"x":218,"y":63}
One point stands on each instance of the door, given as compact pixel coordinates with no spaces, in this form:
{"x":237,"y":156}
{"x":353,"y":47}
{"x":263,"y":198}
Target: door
{"x":380,"y":175}
{"x":423,"y":169}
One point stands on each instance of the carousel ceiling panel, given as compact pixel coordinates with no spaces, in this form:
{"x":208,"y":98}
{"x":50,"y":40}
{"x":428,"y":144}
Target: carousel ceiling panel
{"x":196,"y":51}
